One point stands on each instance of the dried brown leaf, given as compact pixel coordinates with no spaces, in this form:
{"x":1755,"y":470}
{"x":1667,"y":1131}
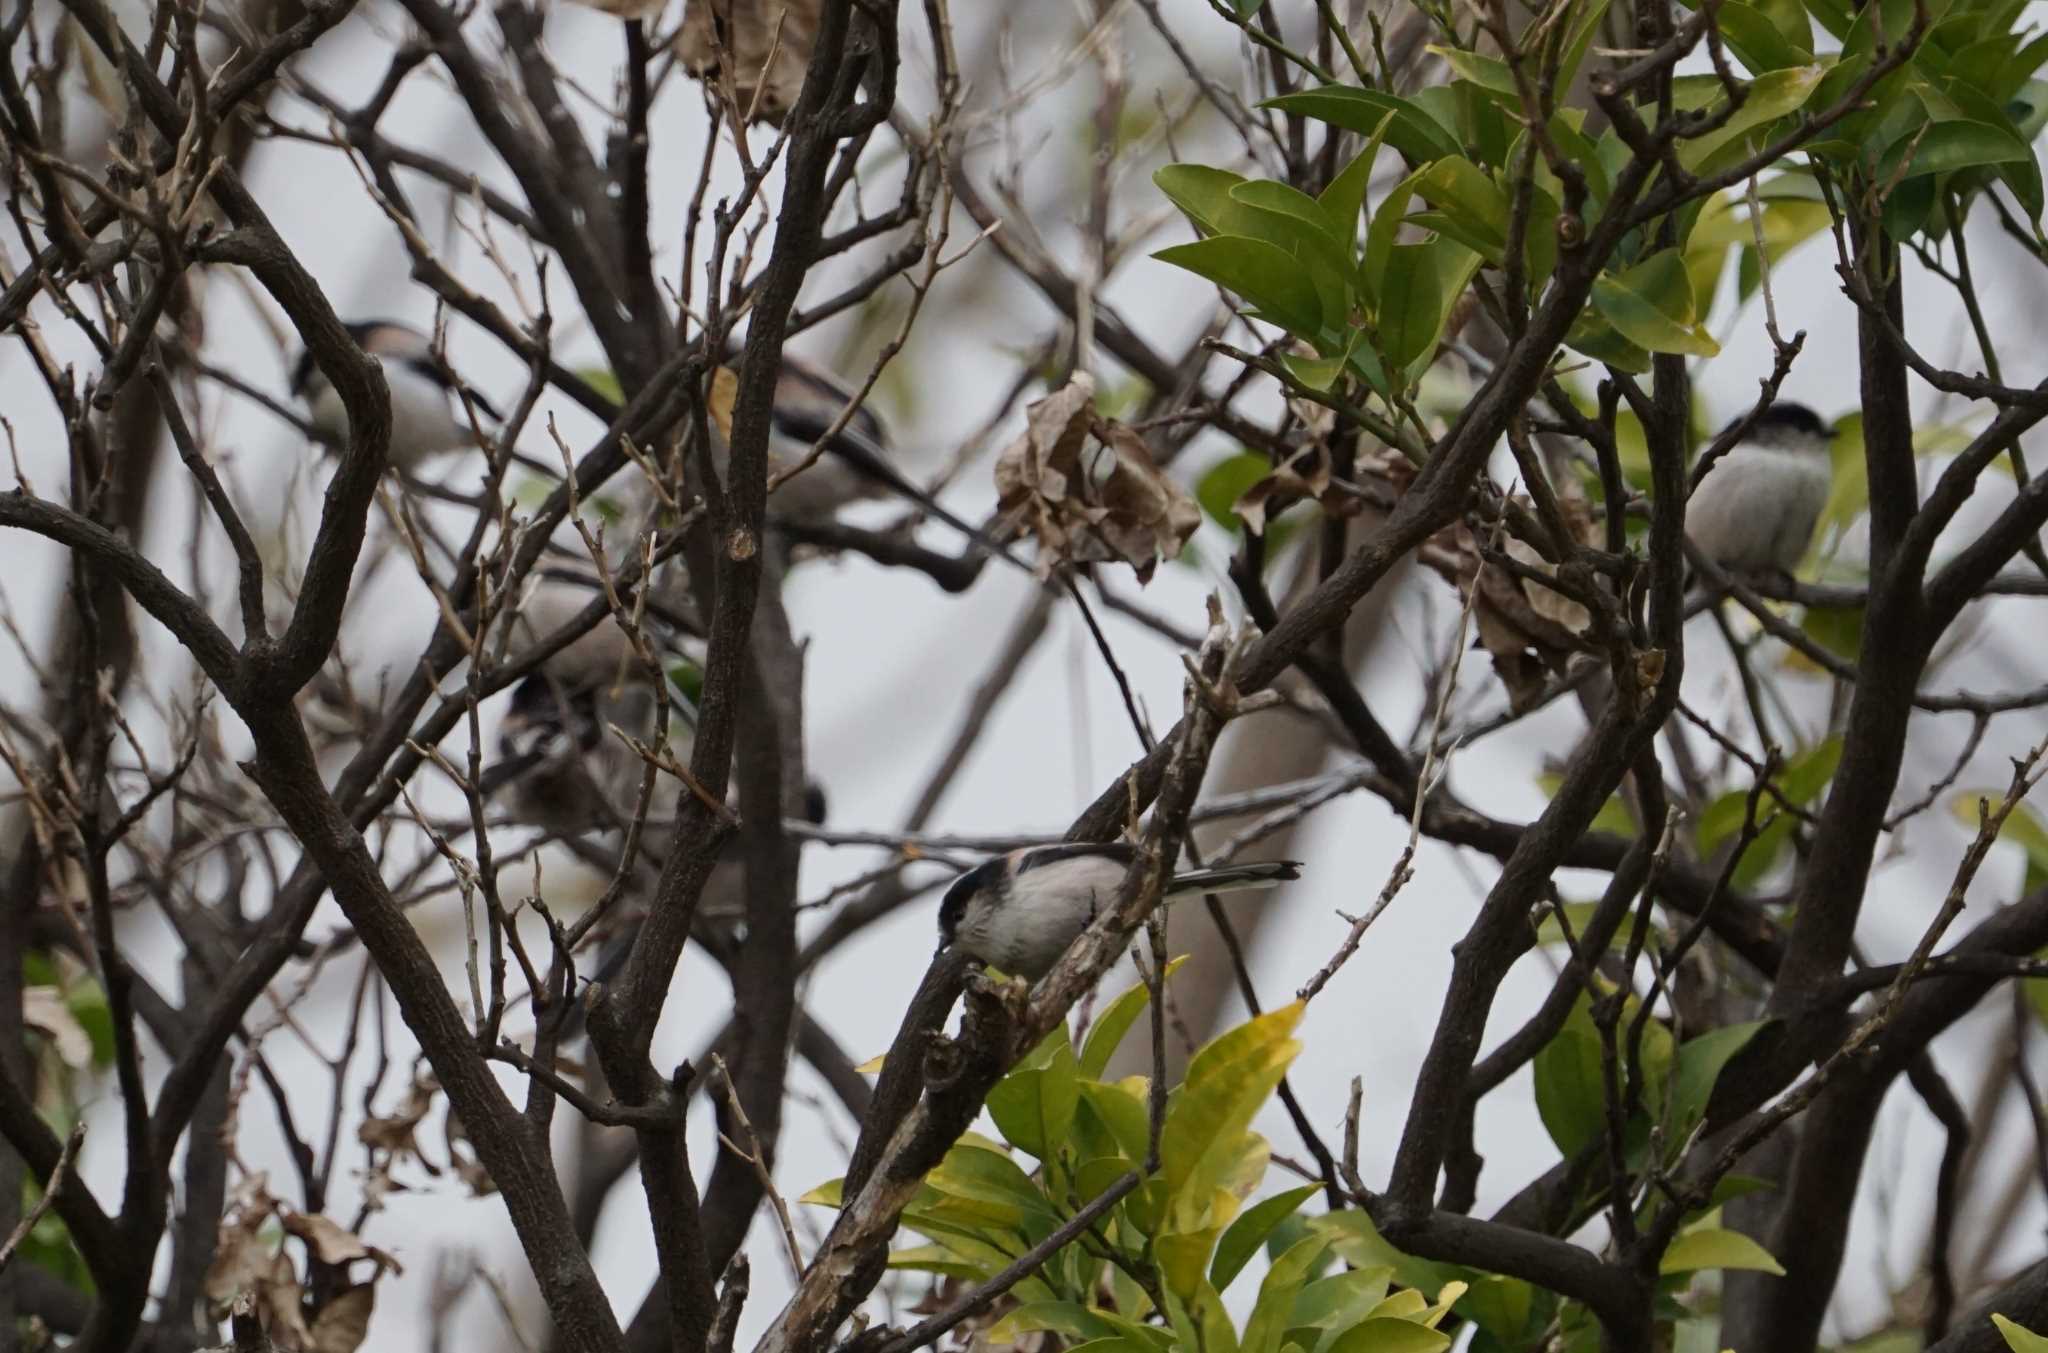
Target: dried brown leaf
{"x":1112,"y":504}
{"x":345,"y":1320}
{"x":333,"y":1243}
{"x":284,"y":1306}
{"x":396,"y":1133}
{"x":241,"y":1259}
{"x":1304,"y":475}
{"x":764,"y":45}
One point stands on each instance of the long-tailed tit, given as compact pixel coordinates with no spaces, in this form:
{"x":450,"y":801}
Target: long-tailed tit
{"x":855,"y":462}
{"x":1020,"y":911}
{"x":1756,"y":509}
{"x":426,"y":418}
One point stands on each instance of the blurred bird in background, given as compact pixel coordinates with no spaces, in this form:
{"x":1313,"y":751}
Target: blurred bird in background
{"x":427,"y":417}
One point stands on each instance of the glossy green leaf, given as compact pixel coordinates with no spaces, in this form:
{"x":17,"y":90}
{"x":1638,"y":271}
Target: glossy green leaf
{"x":1200,"y":191}
{"x":1358,"y":1242}
{"x":1225,"y":1086}
{"x":1269,"y":1318}
{"x":1468,"y":194}
{"x":1263,"y":274}
{"x":1488,"y":73}
{"x":1411,"y":306}
{"x":1328,"y":1306}
{"x":1584,"y":28}
{"x":1383,"y":1334}
{"x":1418,"y":136}
{"x":1758,"y":42}
{"x":1767,"y":98}
{"x":1069,"y":1318}
{"x":1571,"y":1090}
{"x":1716,"y":1248}
{"x":1943,"y":147}
{"x":1034,"y":1104}
{"x":1107,"y":1033}
{"x":1651,"y":305}
{"x":1244,"y":1236}
{"x":1699,"y":1065}
{"x":1344,"y":198}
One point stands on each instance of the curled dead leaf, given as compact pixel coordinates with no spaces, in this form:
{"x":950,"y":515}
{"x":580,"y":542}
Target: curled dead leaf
{"x":332,"y":1243}
{"x":1526,"y":645}
{"x":1547,"y":602}
{"x":1303,"y":476}
{"x":397,"y":1133}
{"x":761,"y":46}
{"x":1083,"y":506}
{"x":344,"y":1320}
{"x":241,"y":1257}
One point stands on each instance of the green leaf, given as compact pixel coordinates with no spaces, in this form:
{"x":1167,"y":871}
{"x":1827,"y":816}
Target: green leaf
{"x":1225,"y":1086}
{"x":1107,"y":1033}
{"x":1329,"y":1306}
{"x":980,"y":1175}
{"x":1700,"y":1061}
{"x":1473,"y":201}
{"x":1760,"y":44}
{"x":1713,"y":1247}
{"x":1069,"y":1318}
{"x":1301,"y":218}
{"x":1269,"y":1318}
{"x":604,"y":381}
{"x":1766,"y":99}
{"x":1242,"y":1240}
{"x":1383,"y":230}
{"x":1200,"y":191}
{"x":1358,"y":1242}
{"x":2019,"y":1338}
{"x":1486,"y":72}
{"x":1411,"y":305}
{"x":1344,"y":198}
{"x":1571,"y":1091}
{"x":1384,"y":1335}
{"x":1034,"y":1104}
{"x":1413,"y":132}
{"x":1942,"y":147}
{"x":1262,"y":273}
{"x":1651,"y":305}
{"x":1587,"y":24}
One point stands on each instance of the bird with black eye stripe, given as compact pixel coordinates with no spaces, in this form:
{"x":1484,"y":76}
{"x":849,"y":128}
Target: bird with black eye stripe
{"x":427,"y":417}
{"x":1020,"y":911}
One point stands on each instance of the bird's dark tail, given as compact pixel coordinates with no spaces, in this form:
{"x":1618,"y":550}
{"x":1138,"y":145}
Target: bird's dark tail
{"x":1235,"y":878}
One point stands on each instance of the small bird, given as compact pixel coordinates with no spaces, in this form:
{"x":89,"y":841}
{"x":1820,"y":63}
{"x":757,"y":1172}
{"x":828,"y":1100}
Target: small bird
{"x":565,"y":771}
{"x":426,"y":420}
{"x":1756,"y":509}
{"x":856,"y":463}
{"x":1020,"y":911}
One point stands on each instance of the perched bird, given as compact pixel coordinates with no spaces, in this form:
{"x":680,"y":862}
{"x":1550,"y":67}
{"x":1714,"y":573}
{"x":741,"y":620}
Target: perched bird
{"x":562,"y":767}
{"x":1020,"y":911}
{"x":855,"y":464}
{"x":426,"y":417}
{"x":1756,"y":509}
